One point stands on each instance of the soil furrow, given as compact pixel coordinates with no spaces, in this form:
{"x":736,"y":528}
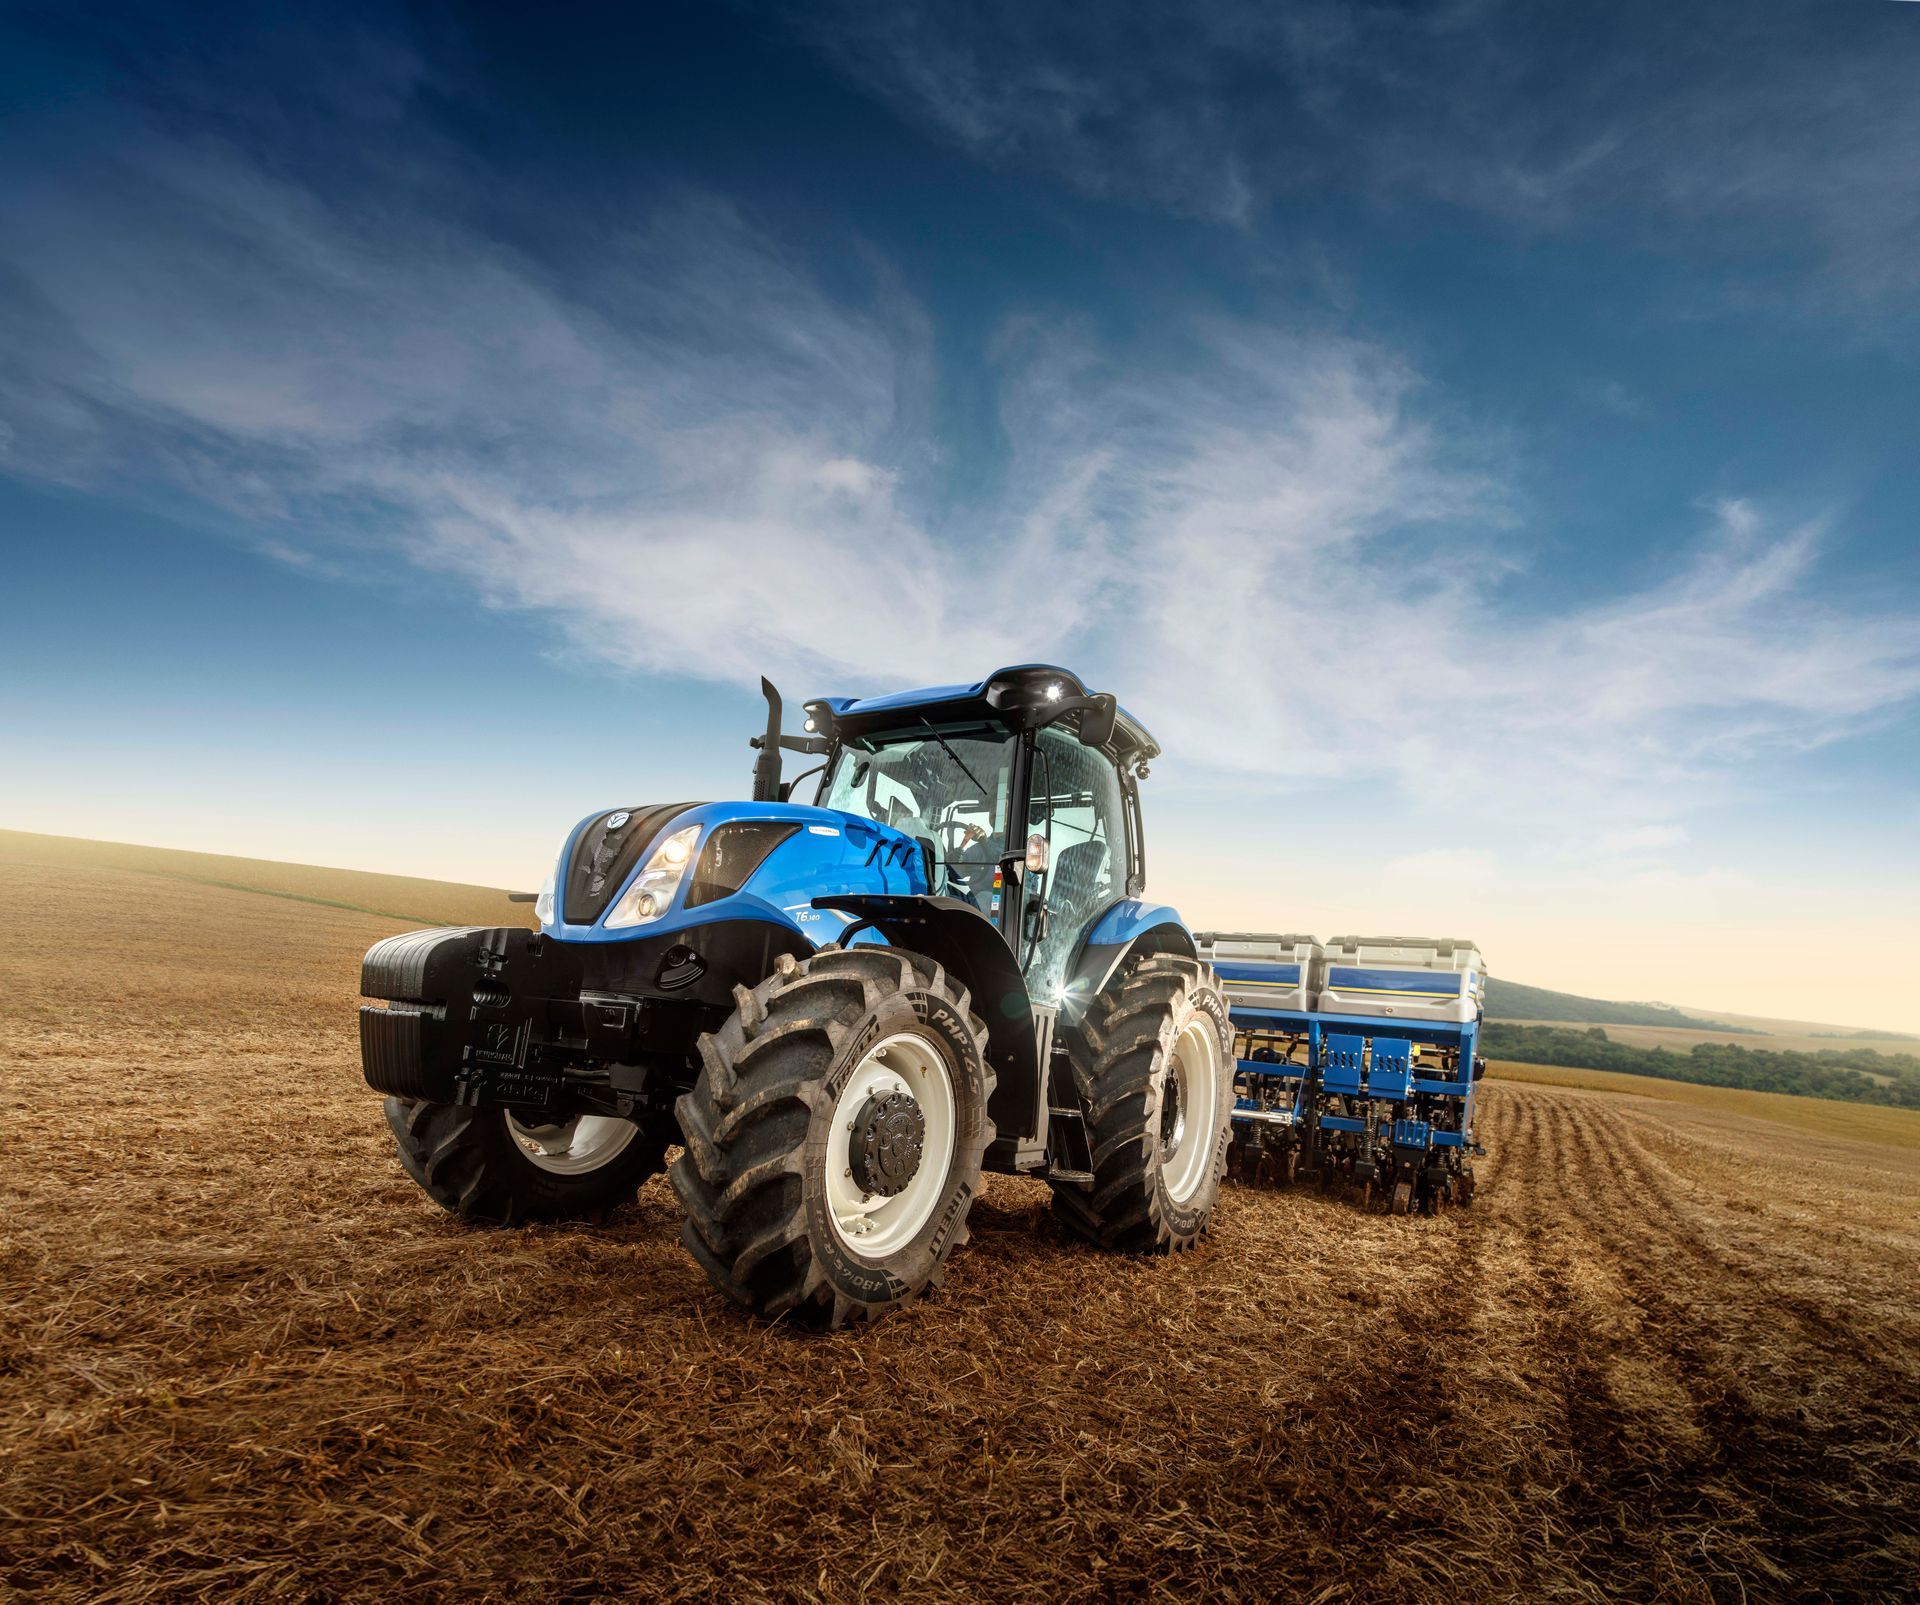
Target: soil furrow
{"x":242,"y":1358}
{"x":1765,"y":1430}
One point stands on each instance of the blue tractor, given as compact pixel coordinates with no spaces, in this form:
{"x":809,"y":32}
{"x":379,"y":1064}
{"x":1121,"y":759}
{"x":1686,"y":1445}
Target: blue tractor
{"x":841,"y":1012}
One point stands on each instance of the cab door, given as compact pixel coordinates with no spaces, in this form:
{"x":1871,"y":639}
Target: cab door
{"x":1078,"y":831}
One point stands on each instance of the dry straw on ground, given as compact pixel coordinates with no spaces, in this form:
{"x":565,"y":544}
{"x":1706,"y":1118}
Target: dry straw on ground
{"x":1671,"y":1352}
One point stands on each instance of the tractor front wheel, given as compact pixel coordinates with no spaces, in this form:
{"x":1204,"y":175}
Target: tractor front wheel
{"x":1153,"y":1067}
{"x":494,"y":1168}
{"x":835,"y":1134}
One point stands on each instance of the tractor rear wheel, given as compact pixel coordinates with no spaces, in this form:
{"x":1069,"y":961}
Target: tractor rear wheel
{"x":835,"y":1134}
{"x":494,"y":1168}
{"x":1152,"y":1066}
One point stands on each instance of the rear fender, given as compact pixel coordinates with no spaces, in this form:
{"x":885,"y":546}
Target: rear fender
{"x":969,"y":946}
{"x":1126,"y":928}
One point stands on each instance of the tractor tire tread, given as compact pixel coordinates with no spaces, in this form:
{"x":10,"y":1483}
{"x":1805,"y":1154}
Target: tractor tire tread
{"x":1119,"y":1056}
{"x":468,"y":1163}
{"x":741,"y":1180}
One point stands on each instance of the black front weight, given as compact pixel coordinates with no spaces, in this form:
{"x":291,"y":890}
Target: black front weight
{"x":470,"y":1016}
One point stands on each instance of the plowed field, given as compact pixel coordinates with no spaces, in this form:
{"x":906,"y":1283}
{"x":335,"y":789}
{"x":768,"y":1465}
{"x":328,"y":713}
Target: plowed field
{"x":1672,"y":1351}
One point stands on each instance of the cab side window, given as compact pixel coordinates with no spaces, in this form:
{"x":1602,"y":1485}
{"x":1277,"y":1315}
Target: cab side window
{"x":1077,"y":810}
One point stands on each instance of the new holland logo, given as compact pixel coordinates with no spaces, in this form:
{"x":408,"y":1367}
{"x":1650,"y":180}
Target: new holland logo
{"x":615,"y":821}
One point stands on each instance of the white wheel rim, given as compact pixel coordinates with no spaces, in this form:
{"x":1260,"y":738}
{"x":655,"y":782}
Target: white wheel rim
{"x":1193,"y":1087}
{"x":872,"y":1224}
{"x":573,"y":1147}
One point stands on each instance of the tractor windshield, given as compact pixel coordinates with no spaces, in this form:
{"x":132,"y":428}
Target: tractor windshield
{"x":948,"y":789}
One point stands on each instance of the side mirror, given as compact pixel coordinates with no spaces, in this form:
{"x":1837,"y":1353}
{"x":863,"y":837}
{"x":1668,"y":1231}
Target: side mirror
{"x":1096,"y":723}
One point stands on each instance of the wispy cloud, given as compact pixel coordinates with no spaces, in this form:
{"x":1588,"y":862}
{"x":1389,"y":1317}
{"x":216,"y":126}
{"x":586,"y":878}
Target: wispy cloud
{"x":1299,"y":623}
{"x":700,"y":461}
{"x":679,"y":451}
{"x":1641,"y":839}
{"x":1445,"y":866}
{"x":1794,"y":122}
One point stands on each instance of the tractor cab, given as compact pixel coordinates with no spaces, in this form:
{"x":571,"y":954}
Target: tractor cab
{"x":1021,"y":792}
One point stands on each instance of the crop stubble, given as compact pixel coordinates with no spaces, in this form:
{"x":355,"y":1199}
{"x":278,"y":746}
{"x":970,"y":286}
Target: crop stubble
{"x":1671,"y":1352}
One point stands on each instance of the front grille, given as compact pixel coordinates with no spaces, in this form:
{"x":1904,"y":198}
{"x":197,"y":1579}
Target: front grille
{"x":605,"y":855}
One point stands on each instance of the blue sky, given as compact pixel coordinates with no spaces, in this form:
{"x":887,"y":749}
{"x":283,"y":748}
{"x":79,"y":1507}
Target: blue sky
{"x":1479,"y":439}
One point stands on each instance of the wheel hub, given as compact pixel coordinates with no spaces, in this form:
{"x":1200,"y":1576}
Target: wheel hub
{"x":891,"y":1144}
{"x":885,"y":1147}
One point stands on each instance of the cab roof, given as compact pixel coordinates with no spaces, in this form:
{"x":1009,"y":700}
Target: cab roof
{"x":1024,"y":696}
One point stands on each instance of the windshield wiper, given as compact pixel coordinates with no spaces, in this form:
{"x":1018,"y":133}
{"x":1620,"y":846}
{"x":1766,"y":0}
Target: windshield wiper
{"x":984,"y":795}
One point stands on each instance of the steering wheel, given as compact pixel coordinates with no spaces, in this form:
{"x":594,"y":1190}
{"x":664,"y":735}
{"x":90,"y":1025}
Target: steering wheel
{"x":956,"y":837}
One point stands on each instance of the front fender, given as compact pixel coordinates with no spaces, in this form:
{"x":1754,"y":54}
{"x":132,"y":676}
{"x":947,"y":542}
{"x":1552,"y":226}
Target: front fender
{"x":969,"y":946}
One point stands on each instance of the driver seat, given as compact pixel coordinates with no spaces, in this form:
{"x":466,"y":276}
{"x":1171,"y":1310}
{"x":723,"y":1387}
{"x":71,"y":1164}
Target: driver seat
{"x":1080,"y":875}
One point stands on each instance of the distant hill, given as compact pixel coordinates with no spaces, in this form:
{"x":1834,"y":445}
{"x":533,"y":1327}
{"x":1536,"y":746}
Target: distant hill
{"x":1509,"y":1000}
{"x":401,"y":897}
{"x":415,"y":901}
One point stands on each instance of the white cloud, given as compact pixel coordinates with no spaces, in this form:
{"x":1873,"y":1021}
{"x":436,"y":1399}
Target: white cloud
{"x":699,"y":462}
{"x":1319,"y":589}
{"x":1446,"y":866}
{"x":1612,"y":397}
{"x":1797,"y":122}
{"x":1700,"y":885}
{"x":1642,"y":839}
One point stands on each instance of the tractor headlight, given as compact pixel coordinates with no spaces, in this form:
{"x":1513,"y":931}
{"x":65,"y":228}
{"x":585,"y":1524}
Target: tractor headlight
{"x":543,"y":904}
{"x":652,"y":893}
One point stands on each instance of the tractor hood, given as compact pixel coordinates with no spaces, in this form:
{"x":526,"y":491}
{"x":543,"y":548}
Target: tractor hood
{"x":650,"y":869}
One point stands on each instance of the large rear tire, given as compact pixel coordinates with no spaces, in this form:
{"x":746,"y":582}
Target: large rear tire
{"x":835,"y":1134}
{"x":491,"y":1168}
{"x":1152,"y":1062}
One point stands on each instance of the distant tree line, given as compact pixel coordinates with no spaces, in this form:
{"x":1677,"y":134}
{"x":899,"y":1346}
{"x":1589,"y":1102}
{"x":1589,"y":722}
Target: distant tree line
{"x":1513,"y":1000}
{"x":1831,"y":1073}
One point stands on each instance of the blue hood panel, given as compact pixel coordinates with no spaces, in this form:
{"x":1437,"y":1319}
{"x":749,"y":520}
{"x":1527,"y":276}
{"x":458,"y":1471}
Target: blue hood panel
{"x":829,"y":854}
